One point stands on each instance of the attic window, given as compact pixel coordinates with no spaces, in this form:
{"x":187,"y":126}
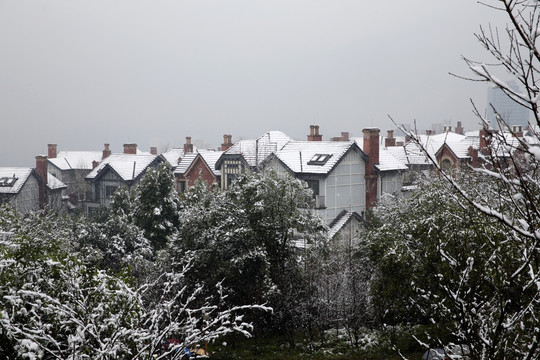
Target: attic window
{"x":319,"y":159}
{"x":7,"y":181}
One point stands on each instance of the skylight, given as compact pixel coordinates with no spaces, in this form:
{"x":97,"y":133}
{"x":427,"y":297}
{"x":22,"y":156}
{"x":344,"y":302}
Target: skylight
{"x":7,"y":181}
{"x":319,"y":159}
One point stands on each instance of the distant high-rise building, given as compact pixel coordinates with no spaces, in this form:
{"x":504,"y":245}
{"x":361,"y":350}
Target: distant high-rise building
{"x":511,"y":112}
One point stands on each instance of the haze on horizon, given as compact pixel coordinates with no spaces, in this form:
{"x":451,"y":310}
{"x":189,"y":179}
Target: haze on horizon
{"x":80,"y":74}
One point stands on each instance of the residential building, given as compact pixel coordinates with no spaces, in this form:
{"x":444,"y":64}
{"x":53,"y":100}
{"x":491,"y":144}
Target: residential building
{"x":198,"y":165}
{"x":117,"y":170}
{"x":247,"y":155}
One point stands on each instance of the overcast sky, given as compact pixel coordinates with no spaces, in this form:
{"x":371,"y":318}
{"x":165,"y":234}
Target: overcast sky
{"x":82,"y":73}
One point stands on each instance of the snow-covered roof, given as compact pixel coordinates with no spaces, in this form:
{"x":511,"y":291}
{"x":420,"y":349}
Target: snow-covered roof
{"x":127,"y":166}
{"x":313,"y":157}
{"x":389,"y":162}
{"x":53,"y":183}
{"x":12,"y":179}
{"x":209,"y":156}
{"x":256,"y":151}
{"x":173,"y":156}
{"x":340,"y":221}
{"x":82,"y":160}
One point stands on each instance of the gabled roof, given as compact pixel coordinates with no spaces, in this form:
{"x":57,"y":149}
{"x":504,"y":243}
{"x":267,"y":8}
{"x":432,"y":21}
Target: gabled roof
{"x":305,"y":156}
{"x":343,"y":218}
{"x":255,"y":151}
{"x":173,"y":156}
{"x":82,"y":160}
{"x":389,"y":162}
{"x":127,"y":166}
{"x":53,"y":183}
{"x":14,"y":178}
{"x":210,"y":157}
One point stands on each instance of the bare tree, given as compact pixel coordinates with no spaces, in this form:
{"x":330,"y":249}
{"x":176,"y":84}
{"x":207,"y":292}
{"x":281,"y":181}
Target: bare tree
{"x":511,"y":165}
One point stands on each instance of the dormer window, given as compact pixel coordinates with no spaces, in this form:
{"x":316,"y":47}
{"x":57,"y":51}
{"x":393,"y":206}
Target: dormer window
{"x":7,"y":181}
{"x":319,"y":159}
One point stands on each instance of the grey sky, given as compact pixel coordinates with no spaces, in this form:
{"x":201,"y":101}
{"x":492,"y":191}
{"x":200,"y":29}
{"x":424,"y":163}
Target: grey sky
{"x":82,"y":73}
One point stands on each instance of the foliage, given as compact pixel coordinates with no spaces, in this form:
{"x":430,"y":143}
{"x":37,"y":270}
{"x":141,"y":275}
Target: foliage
{"x":245,"y":239}
{"x":439,"y":261}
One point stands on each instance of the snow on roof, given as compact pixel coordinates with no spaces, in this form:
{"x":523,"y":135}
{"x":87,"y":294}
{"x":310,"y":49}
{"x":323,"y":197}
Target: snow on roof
{"x":209,"y":156}
{"x":173,"y":156}
{"x":81,"y":160}
{"x":127,"y":166}
{"x":340,"y":221}
{"x":53,"y":183}
{"x":185,"y":163}
{"x":12,"y":179}
{"x":389,"y":162}
{"x":255,"y":151}
{"x":305,"y":156}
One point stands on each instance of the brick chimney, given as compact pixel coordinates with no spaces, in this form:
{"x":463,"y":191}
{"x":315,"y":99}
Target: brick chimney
{"x":94,"y":164}
{"x":344,"y":137}
{"x":188,"y":146}
{"x":517,"y":131}
{"x":41,"y":169}
{"x":227,"y":142}
{"x":107,"y":151}
{"x":52,"y":151}
{"x":459,"y":129}
{"x":390,"y":139}
{"x":429,"y":132}
{"x":485,"y":140}
{"x":130,"y":148}
{"x":371,"y":148}
{"x":153,"y":150}
{"x":314,"y":133}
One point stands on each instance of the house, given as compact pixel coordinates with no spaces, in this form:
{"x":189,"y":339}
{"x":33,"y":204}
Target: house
{"x":71,"y":168}
{"x":247,"y":155}
{"x":175,"y":155}
{"x":117,"y":170}
{"x":28,"y":189}
{"x":342,"y":175}
{"x":346,"y":228}
{"x":195,"y":166}
{"x":20,"y":188}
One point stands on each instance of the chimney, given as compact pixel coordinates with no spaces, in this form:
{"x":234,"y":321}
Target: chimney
{"x":153,"y":150}
{"x":314,"y":133}
{"x":459,"y":129}
{"x":429,"y":132}
{"x":94,"y":164}
{"x":485,"y":140}
{"x":227,"y":142}
{"x":188,"y":146}
{"x":41,"y":169}
{"x":371,"y":148}
{"x":447,"y":128}
{"x":517,"y":131}
{"x":130,"y":149}
{"x":106,"y":152}
{"x":52,"y":151}
{"x":344,"y":137}
{"x":390,"y":139}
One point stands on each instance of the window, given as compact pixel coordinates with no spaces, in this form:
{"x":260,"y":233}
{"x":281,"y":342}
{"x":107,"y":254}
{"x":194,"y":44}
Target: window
{"x":314,"y":186}
{"x":181,"y":187}
{"x":109,"y":190}
{"x":230,"y":179}
{"x":446,"y":165}
{"x":319,"y":159}
{"x":7,"y":181}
